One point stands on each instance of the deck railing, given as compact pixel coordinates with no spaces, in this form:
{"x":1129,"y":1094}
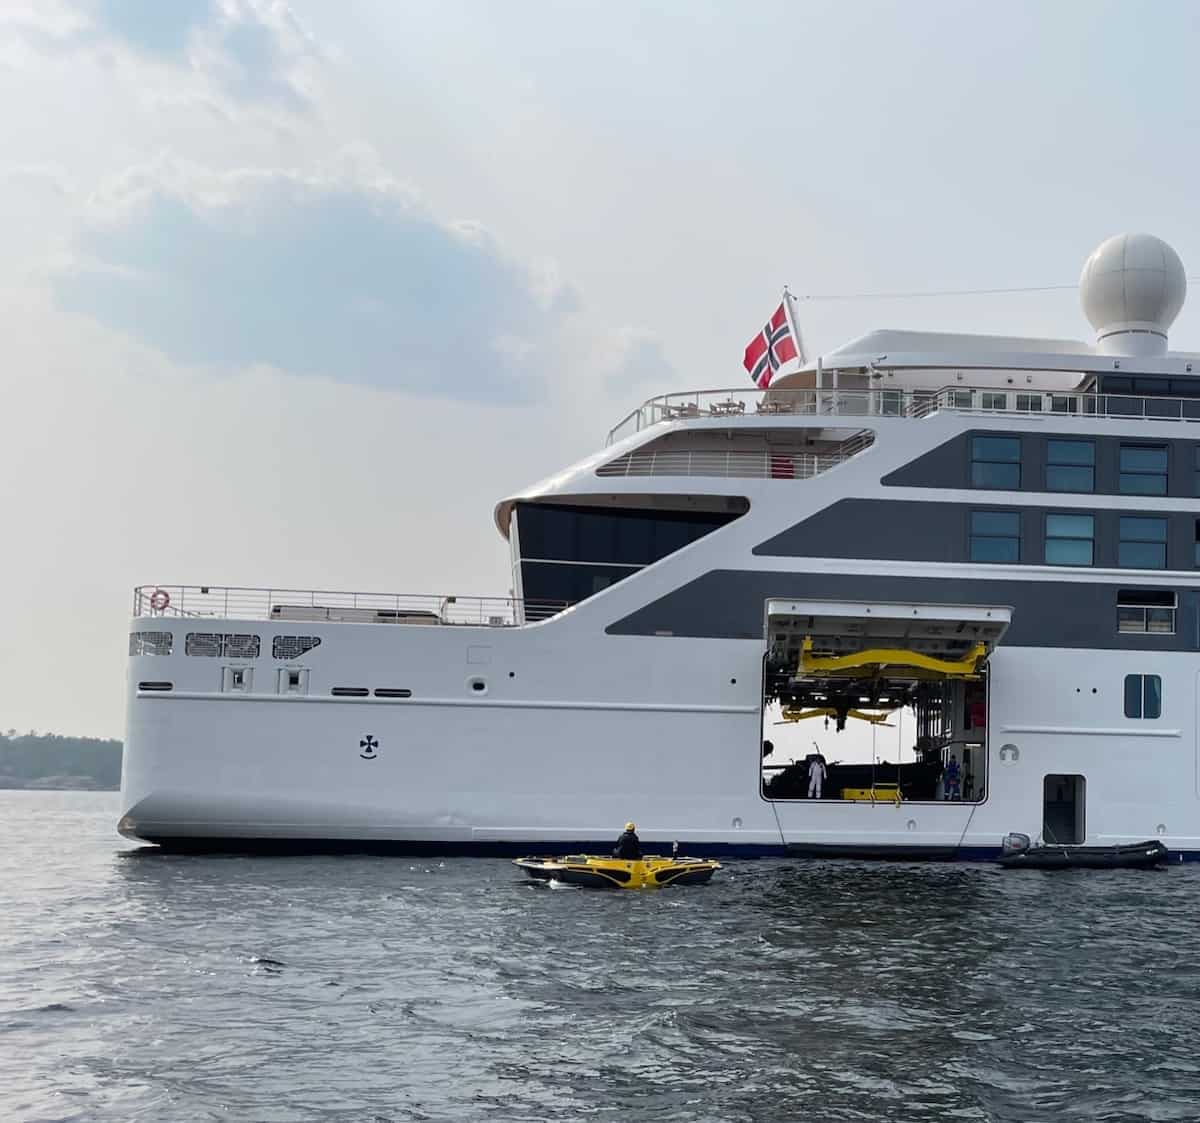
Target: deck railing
{"x":730,"y":404}
{"x":766,"y":465}
{"x":296,"y":606}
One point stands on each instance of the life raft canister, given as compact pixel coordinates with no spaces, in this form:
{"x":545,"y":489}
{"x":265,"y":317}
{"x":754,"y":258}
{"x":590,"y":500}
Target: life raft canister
{"x":159,"y":599}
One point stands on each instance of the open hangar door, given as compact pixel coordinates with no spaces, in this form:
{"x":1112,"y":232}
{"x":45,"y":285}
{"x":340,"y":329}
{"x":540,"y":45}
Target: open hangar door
{"x":872,"y":662}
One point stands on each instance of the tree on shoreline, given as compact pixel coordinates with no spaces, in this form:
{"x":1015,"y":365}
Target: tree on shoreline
{"x":33,"y":760}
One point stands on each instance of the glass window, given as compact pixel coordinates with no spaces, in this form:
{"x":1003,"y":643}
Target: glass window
{"x":1064,"y":403}
{"x":1146,"y":611}
{"x":1143,"y":543}
{"x":1143,"y":470}
{"x":1196,"y":546}
{"x":1196,"y":473}
{"x":961,"y":399}
{"x":1070,"y":539}
{"x":993,"y":400}
{"x":1143,"y":696}
{"x":1070,"y":465}
{"x":996,"y":462}
{"x":1029,"y":403}
{"x":995,"y":536}
{"x":549,"y":532}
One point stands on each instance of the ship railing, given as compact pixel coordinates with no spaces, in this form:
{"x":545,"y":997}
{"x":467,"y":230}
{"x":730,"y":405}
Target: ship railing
{"x":727,"y":464}
{"x":296,"y":606}
{"x":733,"y":404}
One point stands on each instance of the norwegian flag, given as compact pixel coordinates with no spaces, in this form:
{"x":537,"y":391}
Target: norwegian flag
{"x":770,"y":349}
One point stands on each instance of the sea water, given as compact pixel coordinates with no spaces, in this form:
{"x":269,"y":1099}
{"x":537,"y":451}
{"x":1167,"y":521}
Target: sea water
{"x":136,"y":985}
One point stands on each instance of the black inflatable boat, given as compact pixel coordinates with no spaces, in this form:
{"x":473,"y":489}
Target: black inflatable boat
{"x":1132,"y":856}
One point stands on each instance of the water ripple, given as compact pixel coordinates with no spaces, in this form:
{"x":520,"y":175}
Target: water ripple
{"x":140,"y":986}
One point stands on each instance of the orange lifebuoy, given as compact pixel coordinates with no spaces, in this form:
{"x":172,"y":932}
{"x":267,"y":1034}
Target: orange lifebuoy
{"x":159,"y":599}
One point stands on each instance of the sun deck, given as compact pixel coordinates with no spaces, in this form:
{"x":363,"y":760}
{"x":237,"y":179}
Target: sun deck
{"x":740,"y":406}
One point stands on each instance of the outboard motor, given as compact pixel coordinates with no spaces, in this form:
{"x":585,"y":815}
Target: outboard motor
{"x":1014,"y":843}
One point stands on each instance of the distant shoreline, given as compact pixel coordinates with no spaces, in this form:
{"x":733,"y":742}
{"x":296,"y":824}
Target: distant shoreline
{"x":51,"y":762}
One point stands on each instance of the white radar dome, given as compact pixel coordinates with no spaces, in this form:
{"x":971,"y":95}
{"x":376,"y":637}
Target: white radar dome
{"x":1132,"y":288}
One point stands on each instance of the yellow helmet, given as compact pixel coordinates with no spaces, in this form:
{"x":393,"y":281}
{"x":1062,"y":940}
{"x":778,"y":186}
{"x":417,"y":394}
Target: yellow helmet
{"x":630,"y":827}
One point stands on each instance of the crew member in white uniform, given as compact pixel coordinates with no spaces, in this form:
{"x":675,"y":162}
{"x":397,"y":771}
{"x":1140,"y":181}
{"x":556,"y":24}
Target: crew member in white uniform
{"x":816,"y":776}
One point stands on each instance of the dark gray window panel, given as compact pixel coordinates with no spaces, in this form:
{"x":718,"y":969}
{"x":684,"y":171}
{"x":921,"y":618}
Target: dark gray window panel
{"x":729,"y":604}
{"x":1043,"y":468}
{"x":927,"y":531}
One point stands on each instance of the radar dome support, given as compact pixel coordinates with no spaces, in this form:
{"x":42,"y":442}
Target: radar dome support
{"x":1132,"y":288}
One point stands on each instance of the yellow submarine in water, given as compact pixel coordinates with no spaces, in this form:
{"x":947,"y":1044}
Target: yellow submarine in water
{"x":594,"y":872}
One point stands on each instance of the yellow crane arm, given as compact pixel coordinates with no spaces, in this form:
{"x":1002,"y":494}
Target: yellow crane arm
{"x":891,"y":657}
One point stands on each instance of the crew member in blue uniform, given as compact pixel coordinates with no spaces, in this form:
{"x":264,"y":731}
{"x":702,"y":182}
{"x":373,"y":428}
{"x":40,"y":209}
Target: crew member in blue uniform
{"x":628,"y":845}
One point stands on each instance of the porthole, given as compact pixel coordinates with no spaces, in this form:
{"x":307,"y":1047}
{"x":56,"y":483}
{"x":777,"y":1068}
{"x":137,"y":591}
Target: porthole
{"x":477,"y":685}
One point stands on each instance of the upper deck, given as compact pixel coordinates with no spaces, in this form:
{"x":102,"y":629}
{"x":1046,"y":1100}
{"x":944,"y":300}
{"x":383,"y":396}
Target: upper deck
{"x":739,"y":405}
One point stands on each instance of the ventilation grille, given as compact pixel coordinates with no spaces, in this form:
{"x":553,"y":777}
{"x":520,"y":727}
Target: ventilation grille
{"x":242,"y":647}
{"x":203,"y":643}
{"x":350,"y":692}
{"x":392,"y":692}
{"x":160,"y":686}
{"x":292,"y":647}
{"x":214,"y":645}
{"x":150,"y":643}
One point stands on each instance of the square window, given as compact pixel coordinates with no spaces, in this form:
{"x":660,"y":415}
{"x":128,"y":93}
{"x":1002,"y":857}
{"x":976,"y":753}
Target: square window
{"x":995,"y":536}
{"x":1070,"y":465}
{"x":1146,"y":611}
{"x":996,"y":462}
{"x":1143,"y":470}
{"x":1070,"y":539}
{"x":994,"y":400}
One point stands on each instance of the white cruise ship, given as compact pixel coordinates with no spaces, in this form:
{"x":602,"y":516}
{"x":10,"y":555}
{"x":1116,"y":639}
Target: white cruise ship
{"x":999,"y":536}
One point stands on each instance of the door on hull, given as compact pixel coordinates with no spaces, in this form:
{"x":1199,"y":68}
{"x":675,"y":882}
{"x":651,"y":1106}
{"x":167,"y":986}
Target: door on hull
{"x":1063,"y":798}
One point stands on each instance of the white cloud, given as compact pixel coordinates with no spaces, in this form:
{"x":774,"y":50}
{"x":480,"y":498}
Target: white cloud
{"x":345,"y":275}
{"x":242,"y":52}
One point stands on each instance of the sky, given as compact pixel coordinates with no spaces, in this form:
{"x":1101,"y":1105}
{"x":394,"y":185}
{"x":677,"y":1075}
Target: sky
{"x":294,"y":293}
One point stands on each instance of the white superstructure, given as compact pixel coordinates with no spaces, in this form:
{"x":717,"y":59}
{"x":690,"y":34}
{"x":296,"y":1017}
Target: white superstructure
{"x":999,"y":533}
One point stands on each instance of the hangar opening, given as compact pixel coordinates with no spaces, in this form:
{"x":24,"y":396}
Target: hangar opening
{"x":877,"y":702}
